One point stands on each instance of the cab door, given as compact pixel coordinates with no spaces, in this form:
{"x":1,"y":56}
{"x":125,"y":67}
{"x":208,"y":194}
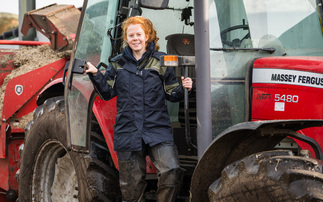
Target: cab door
{"x":92,"y":44}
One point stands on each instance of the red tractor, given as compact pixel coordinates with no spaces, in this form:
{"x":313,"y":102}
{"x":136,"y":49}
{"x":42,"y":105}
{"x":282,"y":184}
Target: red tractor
{"x":251,"y":130}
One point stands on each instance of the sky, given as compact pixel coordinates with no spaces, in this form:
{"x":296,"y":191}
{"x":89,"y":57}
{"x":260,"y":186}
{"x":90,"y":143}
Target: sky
{"x":13,"y":6}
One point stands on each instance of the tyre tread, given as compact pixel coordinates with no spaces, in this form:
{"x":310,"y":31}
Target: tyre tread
{"x":270,"y":176}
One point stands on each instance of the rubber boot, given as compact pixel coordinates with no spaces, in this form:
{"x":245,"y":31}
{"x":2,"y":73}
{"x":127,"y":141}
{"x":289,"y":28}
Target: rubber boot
{"x":132,"y":172}
{"x":169,"y":184}
{"x":165,"y":158}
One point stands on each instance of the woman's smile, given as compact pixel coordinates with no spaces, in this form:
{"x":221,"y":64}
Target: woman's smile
{"x":136,"y":39}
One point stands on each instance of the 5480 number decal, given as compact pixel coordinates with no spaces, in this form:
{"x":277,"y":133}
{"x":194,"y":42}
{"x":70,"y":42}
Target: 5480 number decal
{"x":286,"y":98}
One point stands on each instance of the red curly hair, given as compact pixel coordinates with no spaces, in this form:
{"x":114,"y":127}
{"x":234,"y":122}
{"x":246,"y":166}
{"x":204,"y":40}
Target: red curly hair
{"x":145,"y":24}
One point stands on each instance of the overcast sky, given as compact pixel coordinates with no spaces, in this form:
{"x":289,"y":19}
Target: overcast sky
{"x":13,"y":5}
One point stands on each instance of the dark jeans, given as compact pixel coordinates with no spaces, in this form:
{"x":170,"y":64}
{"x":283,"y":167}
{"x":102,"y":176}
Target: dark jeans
{"x":132,"y":172}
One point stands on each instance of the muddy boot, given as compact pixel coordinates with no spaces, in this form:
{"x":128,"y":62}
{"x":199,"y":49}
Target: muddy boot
{"x":132,"y":172}
{"x":169,"y":172}
{"x":169,"y":184}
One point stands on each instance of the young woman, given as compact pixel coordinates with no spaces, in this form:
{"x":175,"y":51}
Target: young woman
{"x":142,"y":125}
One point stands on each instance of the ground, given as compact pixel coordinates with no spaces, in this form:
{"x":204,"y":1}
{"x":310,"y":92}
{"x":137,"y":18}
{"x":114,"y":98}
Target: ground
{"x":8,"y":21}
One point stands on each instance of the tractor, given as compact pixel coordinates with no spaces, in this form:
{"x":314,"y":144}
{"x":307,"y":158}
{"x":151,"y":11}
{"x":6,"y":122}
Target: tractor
{"x":250,"y":130}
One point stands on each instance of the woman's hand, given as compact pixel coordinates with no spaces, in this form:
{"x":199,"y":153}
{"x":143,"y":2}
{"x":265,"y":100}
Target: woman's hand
{"x":91,"y":69}
{"x":187,"y":83}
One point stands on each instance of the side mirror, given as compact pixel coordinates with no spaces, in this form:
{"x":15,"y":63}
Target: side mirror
{"x":153,"y":4}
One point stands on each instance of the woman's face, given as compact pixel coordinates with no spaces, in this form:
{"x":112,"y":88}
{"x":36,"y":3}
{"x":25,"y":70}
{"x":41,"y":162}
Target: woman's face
{"x":136,"y":38}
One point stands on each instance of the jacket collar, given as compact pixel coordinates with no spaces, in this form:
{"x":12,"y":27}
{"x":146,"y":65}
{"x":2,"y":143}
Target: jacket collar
{"x":149,"y":52}
{"x":142,"y":62}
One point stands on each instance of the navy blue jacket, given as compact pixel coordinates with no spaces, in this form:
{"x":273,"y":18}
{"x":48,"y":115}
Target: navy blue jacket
{"x":142,"y":88}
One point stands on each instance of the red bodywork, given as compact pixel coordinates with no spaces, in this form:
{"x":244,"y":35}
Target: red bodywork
{"x":289,"y":88}
{"x":57,"y":22}
{"x":19,"y":100}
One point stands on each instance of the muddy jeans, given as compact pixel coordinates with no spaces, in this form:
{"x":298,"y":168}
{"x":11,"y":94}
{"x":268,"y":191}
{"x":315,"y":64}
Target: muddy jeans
{"x":132,"y":172}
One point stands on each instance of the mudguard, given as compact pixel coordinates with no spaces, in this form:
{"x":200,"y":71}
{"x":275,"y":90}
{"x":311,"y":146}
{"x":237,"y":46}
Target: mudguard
{"x":242,"y":140}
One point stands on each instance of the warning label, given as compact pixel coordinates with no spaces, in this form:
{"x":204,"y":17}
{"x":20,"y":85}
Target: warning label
{"x":283,"y":76}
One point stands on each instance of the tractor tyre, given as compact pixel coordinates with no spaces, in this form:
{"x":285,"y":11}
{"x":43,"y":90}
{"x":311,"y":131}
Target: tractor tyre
{"x":270,"y":176}
{"x":51,"y":172}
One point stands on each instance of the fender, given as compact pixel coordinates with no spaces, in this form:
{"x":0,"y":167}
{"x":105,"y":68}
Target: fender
{"x":241,"y":140}
{"x":105,"y":113}
{"x":53,"y":89}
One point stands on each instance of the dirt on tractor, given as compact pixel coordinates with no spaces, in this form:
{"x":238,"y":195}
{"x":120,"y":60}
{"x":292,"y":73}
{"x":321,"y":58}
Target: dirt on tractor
{"x":26,"y":59}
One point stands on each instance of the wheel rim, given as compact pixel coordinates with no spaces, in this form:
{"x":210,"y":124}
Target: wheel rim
{"x":54,"y":177}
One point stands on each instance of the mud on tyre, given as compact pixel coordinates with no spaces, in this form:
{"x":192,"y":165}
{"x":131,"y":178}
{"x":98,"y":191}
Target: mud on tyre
{"x":270,"y":176}
{"x":49,"y":172}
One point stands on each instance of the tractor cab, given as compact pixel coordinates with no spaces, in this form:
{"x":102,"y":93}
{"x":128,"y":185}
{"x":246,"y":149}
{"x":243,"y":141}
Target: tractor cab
{"x":239,"y":32}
